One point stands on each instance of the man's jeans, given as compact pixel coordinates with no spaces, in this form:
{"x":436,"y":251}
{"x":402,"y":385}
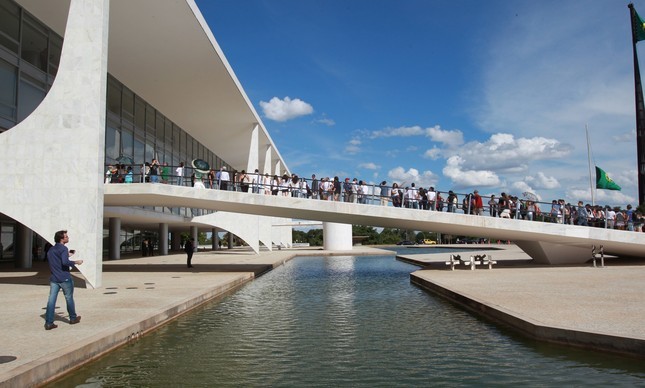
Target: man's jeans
{"x":68,"y":291}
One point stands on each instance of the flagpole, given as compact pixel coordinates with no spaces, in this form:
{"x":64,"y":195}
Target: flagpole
{"x":593,"y":203}
{"x":640,"y":108}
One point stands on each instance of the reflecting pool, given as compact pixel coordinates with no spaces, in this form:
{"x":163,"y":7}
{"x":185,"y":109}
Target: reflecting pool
{"x":344,"y":321}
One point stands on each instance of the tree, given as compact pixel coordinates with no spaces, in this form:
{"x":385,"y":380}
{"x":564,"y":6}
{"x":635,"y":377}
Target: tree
{"x":373,"y":237}
{"x":315,"y":237}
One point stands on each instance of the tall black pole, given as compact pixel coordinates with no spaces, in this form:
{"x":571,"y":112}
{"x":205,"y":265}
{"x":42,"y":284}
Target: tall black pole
{"x":640,"y":110}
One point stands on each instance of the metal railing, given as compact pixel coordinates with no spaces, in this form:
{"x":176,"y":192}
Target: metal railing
{"x":370,"y":194}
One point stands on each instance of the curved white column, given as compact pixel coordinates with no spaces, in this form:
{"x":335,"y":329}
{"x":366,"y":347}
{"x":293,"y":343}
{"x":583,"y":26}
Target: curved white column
{"x":253,"y":160}
{"x":52,"y":174}
{"x":337,"y":237}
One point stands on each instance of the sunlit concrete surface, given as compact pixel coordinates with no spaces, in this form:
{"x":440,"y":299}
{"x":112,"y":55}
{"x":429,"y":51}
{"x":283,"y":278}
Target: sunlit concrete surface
{"x":546,"y":243}
{"x":582,"y":306}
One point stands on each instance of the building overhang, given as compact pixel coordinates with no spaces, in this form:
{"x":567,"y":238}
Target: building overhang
{"x":165,"y":52}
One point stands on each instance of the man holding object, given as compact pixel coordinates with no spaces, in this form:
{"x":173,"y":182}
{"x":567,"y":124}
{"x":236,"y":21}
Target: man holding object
{"x":59,"y":265}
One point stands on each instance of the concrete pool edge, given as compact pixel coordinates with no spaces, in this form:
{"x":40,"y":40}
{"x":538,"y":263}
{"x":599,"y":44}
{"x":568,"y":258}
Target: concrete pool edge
{"x":633,"y":347}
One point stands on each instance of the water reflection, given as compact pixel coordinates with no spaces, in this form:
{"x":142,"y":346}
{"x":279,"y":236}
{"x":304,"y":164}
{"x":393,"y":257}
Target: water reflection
{"x":350,"y":321}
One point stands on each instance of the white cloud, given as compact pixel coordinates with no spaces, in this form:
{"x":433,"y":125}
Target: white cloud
{"x":522,"y":186}
{"x":352,"y":146}
{"x":326,"y":121}
{"x":542,"y":181}
{"x":398,"y":132}
{"x":626,"y":137}
{"x":369,"y":166}
{"x":504,"y":153}
{"x":436,"y":134}
{"x":434,"y":153}
{"x":449,"y":138}
{"x":402,"y":177}
{"x":601,"y":197}
{"x":468,"y":178}
{"x":285,"y":109}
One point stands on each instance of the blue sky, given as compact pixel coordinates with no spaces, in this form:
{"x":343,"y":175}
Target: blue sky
{"x":489,"y":95}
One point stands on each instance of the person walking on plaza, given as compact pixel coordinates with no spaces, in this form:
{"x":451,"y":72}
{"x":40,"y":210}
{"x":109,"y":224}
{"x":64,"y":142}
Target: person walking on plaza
{"x":59,"y":265}
{"x":189,"y":248}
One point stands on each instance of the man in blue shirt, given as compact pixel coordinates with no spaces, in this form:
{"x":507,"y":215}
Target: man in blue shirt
{"x":59,"y":265}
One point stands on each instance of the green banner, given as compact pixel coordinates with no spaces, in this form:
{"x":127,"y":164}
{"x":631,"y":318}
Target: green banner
{"x":603,"y":181}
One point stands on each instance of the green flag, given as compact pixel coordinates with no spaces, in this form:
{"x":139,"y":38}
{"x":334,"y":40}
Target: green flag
{"x":603,"y":181}
{"x":638,"y":27}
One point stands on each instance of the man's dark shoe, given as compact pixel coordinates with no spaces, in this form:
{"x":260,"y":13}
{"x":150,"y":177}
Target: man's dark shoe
{"x":75,"y":320}
{"x":50,"y":326}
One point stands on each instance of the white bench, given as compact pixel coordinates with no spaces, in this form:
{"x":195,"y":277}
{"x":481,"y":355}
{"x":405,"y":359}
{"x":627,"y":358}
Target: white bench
{"x":472,"y":262}
{"x":454,"y":260}
{"x":488,"y":260}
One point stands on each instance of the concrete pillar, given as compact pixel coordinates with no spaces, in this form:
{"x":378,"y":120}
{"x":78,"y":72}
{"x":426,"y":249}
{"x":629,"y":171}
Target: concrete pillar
{"x":214,"y":239}
{"x":230,"y":240}
{"x":22,"y":251}
{"x":163,"y":239}
{"x":267,"y":161}
{"x":277,"y":171}
{"x":253,"y":161}
{"x":175,"y":241}
{"x":114,"y":246}
{"x":193,"y":234}
{"x":337,"y":237}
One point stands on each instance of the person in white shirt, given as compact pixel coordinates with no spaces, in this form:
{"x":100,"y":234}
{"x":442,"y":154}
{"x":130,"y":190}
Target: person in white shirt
{"x":432,"y":198}
{"x":179,"y":172}
{"x":363,"y":191}
{"x":224,"y":179}
{"x":611,"y":218}
{"x":413,"y":197}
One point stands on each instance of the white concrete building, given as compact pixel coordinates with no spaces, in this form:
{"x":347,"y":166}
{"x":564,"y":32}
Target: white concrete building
{"x":89,"y":83}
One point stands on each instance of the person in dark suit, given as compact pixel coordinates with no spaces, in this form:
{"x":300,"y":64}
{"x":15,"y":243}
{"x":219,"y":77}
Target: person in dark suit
{"x":189,"y":248}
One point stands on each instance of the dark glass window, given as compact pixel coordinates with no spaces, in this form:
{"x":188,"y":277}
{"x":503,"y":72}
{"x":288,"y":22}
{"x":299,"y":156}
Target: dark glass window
{"x":9,"y":25}
{"x":112,"y":143}
{"x":33,"y":45}
{"x":139,"y":113}
{"x":55,"y":48}
{"x":29,"y":98}
{"x":8,"y":86}
{"x":127,"y":104}
{"x":150,"y":151}
{"x":114,"y":97}
{"x":127,"y":142}
{"x":139,"y":156}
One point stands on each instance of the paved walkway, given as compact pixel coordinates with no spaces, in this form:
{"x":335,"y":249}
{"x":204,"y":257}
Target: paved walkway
{"x":141,"y":294}
{"x":599,"y":308}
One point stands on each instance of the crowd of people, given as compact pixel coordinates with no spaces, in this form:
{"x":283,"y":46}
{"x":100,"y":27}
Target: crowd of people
{"x":410,"y":196}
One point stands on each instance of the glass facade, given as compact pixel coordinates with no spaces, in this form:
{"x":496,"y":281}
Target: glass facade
{"x":137,"y":131}
{"x":29,"y":59}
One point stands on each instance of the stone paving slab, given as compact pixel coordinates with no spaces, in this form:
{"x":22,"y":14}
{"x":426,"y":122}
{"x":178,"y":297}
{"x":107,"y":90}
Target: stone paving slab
{"x":601,"y":308}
